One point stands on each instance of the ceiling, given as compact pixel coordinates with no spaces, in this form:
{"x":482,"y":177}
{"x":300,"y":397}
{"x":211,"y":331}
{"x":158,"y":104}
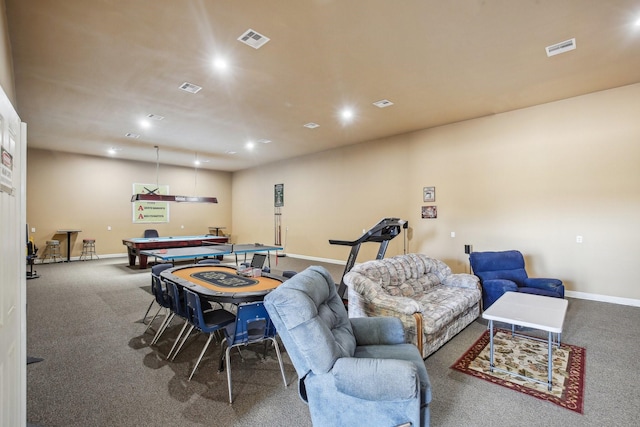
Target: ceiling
{"x":87,"y":72}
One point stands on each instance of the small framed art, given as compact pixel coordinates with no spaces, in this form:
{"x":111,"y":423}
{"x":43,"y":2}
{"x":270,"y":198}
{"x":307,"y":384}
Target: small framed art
{"x":429,"y":212}
{"x":429,"y":194}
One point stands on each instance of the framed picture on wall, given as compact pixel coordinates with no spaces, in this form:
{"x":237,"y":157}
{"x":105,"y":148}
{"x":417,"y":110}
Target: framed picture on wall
{"x":429,"y":212}
{"x":429,"y":194}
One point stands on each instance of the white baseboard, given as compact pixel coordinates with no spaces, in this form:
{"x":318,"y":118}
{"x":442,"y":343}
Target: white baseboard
{"x":603,"y":298}
{"x":311,"y":258}
{"x":571,"y":294}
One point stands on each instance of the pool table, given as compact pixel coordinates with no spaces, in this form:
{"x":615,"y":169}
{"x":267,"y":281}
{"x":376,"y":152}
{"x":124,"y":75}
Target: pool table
{"x":137,"y":244}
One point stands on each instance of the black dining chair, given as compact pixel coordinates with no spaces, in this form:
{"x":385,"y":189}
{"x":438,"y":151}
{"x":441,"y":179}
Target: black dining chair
{"x":209,"y":261}
{"x":159,"y":293}
{"x":151,"y":233}
{"x":207,"y":322}
{"x":252,"y":325}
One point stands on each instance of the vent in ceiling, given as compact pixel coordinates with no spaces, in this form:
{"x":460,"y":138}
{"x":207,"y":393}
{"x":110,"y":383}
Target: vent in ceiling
{"x":561,"y":47}
{"x":383,"y":103}
{"x":155,"y":117}
{"x":132,"y":135}
{"x":253,"y":39}
{"x":311,"y":125}
{"x":264,"y":141}
{"x":190,"y":87}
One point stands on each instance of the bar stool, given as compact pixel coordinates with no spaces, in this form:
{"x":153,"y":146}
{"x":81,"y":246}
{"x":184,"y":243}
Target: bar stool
{"x":88,"y":249}
{"x":52,"y":251}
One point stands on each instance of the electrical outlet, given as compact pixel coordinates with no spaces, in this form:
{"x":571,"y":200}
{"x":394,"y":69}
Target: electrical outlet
{"x":453,"y":234}
{"x":468,"y":249}
{"x":578,"y":239}
{"x":108,"y":228}
{"x":33,"y":229}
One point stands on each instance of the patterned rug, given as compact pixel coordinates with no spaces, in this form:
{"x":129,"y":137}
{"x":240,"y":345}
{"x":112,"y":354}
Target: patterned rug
{"x":529,"y":357}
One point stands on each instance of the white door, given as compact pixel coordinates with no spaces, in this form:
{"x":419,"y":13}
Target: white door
{"x":13,"y":237}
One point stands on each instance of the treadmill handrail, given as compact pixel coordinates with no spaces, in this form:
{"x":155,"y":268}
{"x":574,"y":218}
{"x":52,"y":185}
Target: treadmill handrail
{"x":371,"y":235}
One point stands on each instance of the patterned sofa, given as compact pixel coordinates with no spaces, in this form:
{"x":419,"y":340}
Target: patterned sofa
{"x":432,"y":303}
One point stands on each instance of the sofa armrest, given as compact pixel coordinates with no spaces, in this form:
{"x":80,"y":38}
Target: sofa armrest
{"x":377,"y":330}
{"x":462,"y":280}
{"x":372,"y":294}
{"x":499,"y":286}
{"x":377,"y":379}
{"x":554,"y":285}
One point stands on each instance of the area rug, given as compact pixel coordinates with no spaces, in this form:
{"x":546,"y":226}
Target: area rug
{"x":529,"y":357}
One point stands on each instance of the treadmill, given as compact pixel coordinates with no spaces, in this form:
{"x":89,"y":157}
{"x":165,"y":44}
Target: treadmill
{"x":382,"y":232}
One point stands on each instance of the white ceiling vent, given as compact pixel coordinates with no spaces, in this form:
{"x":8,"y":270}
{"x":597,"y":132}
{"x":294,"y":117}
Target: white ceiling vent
{"x":311,"y":125}
{"x":253,"y":39}
{"x":190,"y":87}
{"x":561,"y":47}
{"x":155,"y":116}
{"x":383,"y":103}
{"x":132,"y":135}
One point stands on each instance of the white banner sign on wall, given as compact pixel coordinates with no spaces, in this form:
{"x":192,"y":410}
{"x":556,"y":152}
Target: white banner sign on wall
{"x":150,"y":212}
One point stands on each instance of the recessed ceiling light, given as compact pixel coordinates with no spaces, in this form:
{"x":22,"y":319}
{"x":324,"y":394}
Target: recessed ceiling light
{"x":132,"y":135}
{"x":311,"y":125}
{"x":383,"y":103}
{"x":250,"y":145}
{"x":114,"y":150}
{"x":253,"y":38}
{"x":190,"y":87}
{"x":346,"y":114}
{"x":220,"y":64}
{"x":145,"y":124}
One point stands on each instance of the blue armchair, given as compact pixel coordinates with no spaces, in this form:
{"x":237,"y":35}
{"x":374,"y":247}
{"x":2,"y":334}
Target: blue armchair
{"x":500,"y":272}
{"x":351,"y":372}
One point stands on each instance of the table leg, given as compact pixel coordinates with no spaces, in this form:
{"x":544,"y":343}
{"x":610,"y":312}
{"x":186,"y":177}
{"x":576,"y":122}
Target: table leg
{"x":550,"y":367}
{"x":491,"y":345}
{"x":143,"y":261}
{"x":68,"y":246}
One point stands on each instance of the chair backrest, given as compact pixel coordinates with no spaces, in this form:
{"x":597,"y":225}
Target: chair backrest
{"x":499,"y":265}
{"x":149,"y":234}
{"x":311,"y":320}
{"x":258,"y":260}
{"x":252,"y":324}
{"x":193,"y":309}
{"x":176,"y":299}
{"x":157,"y":289}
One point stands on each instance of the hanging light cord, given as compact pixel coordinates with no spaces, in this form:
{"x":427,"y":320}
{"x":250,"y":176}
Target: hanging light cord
{"x":157,"y":164}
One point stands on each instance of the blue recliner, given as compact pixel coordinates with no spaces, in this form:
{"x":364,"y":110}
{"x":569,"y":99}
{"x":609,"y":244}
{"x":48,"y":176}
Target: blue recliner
{"x":352,"y":372}
{"x":500,"y":272}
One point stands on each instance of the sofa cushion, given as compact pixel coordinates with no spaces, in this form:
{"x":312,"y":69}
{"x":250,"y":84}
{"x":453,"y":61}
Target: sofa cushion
{"x":443,"y":304}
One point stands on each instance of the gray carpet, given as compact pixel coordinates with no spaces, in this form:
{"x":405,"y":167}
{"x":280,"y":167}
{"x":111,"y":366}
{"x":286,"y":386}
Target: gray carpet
{"x":99,"y":370}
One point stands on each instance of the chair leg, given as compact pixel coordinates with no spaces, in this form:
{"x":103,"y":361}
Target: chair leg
{"x":201,"y":354}
{"x":221,"y":363}
{"x":181,"y":344}
{"x":151,"y":321}
{"x":186,"y":323}
{"x":147,"y":312}
{"x":228,"y":363}
{"x":164,"y":325}
{"x":275,"y":344}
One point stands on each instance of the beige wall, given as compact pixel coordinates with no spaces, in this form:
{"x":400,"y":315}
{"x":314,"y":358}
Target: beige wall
{"x":531,"y":179}
{"x":92,"y":193}
{"x":6,"y":70}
